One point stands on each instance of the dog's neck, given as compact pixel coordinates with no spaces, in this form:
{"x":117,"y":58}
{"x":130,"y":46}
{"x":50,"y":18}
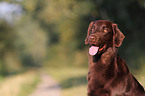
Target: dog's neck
{"x":103,"y":58}
{"x":108,"y":55}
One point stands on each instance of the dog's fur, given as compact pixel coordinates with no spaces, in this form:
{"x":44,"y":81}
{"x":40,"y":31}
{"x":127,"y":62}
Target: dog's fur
{"x":108,"y":74}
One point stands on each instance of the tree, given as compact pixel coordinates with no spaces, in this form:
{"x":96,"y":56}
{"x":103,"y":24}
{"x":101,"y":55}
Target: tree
{"x":6,"y":43}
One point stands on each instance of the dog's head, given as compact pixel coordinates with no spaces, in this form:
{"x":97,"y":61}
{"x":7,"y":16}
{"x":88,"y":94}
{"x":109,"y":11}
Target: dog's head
{"x":102,"y":34}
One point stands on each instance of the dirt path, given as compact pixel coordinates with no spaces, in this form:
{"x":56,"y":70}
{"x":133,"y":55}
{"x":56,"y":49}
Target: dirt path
{"x":47,"y":87}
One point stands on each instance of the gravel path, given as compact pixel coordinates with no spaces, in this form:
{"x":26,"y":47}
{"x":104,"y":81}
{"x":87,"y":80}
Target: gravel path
{"x":47,"y":87}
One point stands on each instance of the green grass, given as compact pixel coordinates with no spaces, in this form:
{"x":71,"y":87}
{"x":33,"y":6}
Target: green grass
{"x":1,"y":78}
{"x":19,"y":85}
{"x":140,"y":76}
{"x":72,"y":80}
{"x":28,"y":87}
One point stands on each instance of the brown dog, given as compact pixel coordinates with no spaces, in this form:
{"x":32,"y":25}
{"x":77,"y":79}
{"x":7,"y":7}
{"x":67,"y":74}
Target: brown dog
{"x":108,"y":74}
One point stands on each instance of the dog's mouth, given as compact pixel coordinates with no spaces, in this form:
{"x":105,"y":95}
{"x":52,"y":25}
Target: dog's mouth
{"x":93,"y":50}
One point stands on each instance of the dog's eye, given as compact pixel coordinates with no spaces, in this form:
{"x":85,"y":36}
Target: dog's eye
{"x":93,"y":28}
{"x":105,"y":29}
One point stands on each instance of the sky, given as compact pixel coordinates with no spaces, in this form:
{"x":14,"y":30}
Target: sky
{"x":9,"y":11}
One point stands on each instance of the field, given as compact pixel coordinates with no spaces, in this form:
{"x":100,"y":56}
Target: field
{"x":19,"y":85}
{"x":72,"y":81}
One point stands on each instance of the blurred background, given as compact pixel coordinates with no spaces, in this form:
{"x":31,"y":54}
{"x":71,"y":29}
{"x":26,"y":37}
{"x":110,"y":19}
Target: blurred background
{"x":50,"y":34}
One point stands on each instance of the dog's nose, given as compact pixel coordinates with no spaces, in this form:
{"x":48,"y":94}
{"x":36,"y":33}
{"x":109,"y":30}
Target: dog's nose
{"x":91,"y":38}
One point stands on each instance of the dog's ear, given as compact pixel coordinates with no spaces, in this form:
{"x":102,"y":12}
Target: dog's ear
{"x":88,"y":32}
{"x":117,"y":35}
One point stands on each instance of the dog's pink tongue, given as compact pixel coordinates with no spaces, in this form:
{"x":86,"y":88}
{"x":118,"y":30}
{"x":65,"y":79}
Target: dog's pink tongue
{"x":93,"y":50}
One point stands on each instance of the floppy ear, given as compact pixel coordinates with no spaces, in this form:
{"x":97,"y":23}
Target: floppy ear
{"x":88,"y":32}
{"x":117,"y":35}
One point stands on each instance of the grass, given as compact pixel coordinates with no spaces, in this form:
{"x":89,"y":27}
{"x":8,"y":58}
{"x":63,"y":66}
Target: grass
{"x":19,"y":85}
{"x":72,"y":80}
{"x":140,"y":77}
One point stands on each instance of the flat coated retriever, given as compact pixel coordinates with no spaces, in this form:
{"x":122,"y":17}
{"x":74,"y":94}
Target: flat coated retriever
{"x":108,"y":74}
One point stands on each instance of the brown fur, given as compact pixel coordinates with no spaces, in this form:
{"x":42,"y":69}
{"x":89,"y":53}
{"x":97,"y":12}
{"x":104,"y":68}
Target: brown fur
{"x":108,"y":74}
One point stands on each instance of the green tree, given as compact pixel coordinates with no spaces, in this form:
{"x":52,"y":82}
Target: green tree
{"x":6,"y":43}
{"x":53,"y":31}
{"x":65,"y":22}
{"x":31,"y":42}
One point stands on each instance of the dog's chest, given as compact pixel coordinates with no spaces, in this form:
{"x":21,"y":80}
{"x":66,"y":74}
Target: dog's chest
{"x":101,"y":72}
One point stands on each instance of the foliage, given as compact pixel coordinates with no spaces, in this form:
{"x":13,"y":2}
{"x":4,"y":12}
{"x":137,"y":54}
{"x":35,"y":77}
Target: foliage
{"x":31,"y":42}
{"x":7,"y":36}
{"x":52,"y":33}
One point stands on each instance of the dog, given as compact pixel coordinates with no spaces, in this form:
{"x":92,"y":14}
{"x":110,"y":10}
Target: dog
{"x":108,"y":74}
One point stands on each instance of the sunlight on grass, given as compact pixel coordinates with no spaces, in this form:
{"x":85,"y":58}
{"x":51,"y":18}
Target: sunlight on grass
{"x":72,"y":80}
{"x":75,"y":91}
{"x":141,"y":78}
{"x":18,"y":85}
